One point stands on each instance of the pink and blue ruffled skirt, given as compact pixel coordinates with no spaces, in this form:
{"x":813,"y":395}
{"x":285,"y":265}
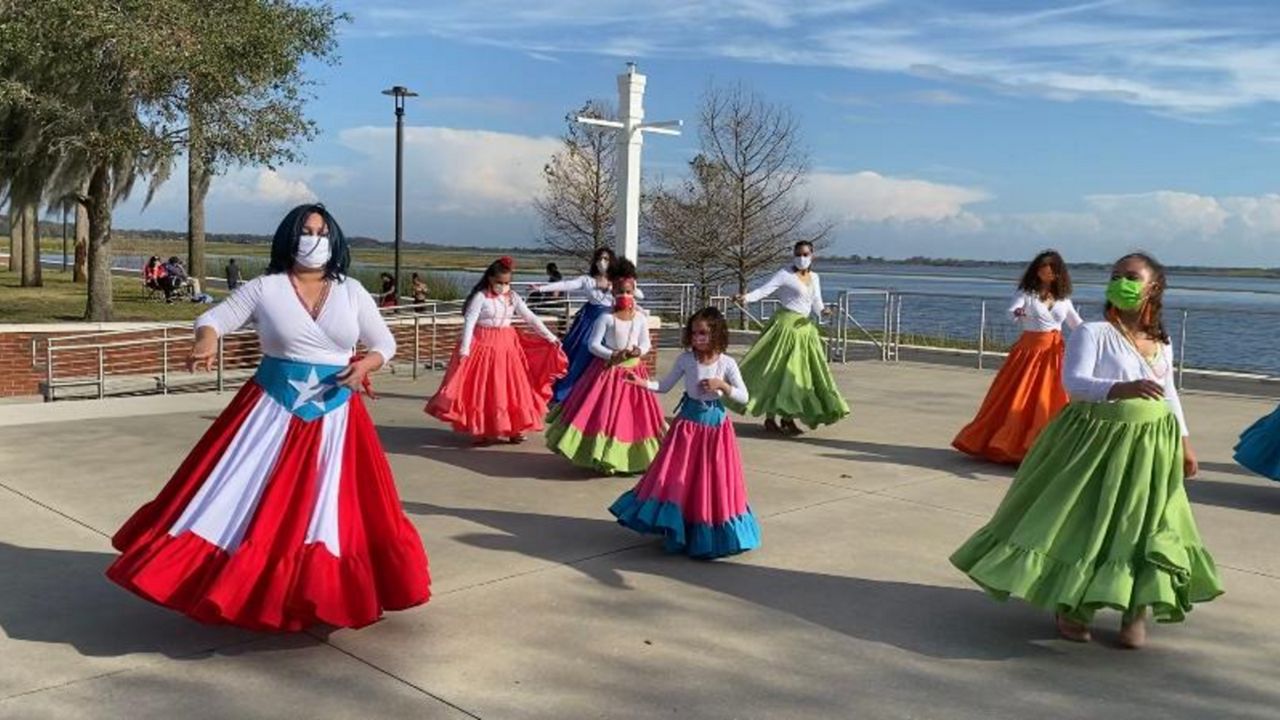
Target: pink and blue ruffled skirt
{"x":694,"y":493}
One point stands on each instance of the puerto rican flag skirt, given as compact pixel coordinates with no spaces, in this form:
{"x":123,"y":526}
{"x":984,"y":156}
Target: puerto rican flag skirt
{"x":284,"y":515}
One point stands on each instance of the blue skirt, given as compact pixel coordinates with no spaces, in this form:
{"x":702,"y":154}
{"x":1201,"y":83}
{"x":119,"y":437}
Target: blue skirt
{"x":577,"y":345}
{"x":1259,"y":446}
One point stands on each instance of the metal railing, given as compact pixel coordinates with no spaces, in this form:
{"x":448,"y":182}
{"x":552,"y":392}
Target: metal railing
{"x":144,"y":359}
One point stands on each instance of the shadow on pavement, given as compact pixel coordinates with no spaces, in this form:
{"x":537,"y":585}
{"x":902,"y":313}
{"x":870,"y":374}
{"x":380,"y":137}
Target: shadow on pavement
{"x":530,"y":459}
{"x":929,"y":458}
{"x":1238,"y":496}
{"x":62,"y":596}
{"x":941,"y":622}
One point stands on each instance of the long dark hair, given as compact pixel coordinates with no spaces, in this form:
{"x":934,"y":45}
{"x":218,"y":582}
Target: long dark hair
{"x":594,"y":270}
{"x":284,"y":246}
{"x":1151,"y":317}
{"x":1061,"y":286}
{"x":715,"y":322}
{"x":502,"y":265}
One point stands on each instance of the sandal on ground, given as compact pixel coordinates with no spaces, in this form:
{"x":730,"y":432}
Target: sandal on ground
{"x":1071,"y":630}
{"x":1133,"y":633}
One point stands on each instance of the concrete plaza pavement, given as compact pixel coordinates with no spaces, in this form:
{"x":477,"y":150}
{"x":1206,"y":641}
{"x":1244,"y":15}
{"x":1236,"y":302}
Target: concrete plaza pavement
{"x":546,"y":608}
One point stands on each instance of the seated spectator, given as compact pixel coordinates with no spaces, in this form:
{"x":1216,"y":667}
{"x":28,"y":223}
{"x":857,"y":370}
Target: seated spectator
{"x":152,"y":272}
{"x":175,"y":278}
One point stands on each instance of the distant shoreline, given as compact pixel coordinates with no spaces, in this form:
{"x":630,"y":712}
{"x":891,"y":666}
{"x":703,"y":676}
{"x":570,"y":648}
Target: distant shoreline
{"x":54,"y":229}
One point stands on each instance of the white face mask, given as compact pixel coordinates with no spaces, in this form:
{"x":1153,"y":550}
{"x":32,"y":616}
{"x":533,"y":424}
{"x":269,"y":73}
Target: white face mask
{"x":313,"y":251}
{"x":803,"y":261}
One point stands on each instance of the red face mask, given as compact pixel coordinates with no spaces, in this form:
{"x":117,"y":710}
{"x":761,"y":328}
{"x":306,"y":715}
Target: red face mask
{"x":624,"y":302}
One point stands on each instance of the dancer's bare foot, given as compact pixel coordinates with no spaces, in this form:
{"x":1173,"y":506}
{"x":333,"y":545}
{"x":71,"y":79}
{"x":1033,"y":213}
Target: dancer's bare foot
{"x":771,"y":425}
{"x":516,"y":439}
{"x":1133,"y":632}
{"x":1074,"y":631}
{"x":789,"y":427}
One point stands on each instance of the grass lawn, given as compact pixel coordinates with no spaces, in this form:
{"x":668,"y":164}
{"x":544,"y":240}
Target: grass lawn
{"x":61,"y":300}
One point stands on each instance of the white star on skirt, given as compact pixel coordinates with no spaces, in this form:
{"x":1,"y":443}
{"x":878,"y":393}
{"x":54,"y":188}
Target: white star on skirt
{"x":310,"y":390}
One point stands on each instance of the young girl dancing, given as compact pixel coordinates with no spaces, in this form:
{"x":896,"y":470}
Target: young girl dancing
{"x":607,"y":423}
{"x":577,"y":342}
{"x":694,"y":493}
{"x":491,"y":389}
{"x":285,"y":514}
{"x":1097,"y":516}
{"x":1027,"y":392}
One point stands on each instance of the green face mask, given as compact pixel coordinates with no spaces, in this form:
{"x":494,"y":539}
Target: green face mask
{"x":1125,"y":294}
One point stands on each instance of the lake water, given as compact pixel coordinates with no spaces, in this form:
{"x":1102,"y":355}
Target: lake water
{"x":1232,"y":323}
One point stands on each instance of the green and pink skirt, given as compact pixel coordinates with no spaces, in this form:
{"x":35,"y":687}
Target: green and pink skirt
{"x":606,"y":423}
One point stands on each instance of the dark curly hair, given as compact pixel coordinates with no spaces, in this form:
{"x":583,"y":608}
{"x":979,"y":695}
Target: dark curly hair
{"x":1061,"y":286}
{"x":715,"y":321}
{"x":1152,"y":313}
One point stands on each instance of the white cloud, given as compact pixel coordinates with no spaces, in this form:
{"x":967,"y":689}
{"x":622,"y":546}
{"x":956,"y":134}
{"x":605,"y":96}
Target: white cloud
{"x":470,"y":172}
{"x":261,"y":186}
{"x":869,"y":197}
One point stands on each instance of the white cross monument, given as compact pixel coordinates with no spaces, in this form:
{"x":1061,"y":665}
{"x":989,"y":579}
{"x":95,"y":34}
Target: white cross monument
{"x":630,"y":133}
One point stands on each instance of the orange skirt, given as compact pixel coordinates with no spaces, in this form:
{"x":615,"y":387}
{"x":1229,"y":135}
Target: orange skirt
{"x":1026,"y":394}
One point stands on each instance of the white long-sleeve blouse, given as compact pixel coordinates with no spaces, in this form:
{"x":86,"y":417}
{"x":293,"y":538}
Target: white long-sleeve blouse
{"x":286,"y":329}
{"x":792,"y":292}
{"x":497,"y":311}
{"x":611,"y":333}
{"x":587,"y":285}
{"x":1038,"y":316}
{"x":1099,"y":356}
{"x":693,"y":372}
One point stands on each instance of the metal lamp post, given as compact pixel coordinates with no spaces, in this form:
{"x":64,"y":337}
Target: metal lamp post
{"x":399,"y":92}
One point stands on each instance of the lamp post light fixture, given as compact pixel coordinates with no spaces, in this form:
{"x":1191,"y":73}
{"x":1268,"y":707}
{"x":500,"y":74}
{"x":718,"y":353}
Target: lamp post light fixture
{"x":399,"y":92}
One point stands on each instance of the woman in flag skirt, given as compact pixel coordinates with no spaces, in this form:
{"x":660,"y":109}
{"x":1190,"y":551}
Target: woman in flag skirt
{"x":1097,"y":515}
{"x":499,"y":379}
{"x":694,"y":493}
{"x":285,"y":514}
{"x":1027,"y":392}
{"x":786,"y":369}
{"x":607,"y":423}
{"x":577,"y":342}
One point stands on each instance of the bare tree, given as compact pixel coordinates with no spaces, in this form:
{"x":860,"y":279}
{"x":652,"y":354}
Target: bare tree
{"x":580,"y":200}
{"x":690,"y":222}
{"x":756,"y":149}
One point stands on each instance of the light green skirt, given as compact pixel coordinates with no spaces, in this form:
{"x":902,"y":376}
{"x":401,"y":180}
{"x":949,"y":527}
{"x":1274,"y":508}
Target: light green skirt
{"x":786,"y":373}
{"x":1097,"y":517}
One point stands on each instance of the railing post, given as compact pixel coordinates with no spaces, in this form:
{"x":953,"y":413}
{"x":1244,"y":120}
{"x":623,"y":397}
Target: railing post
{"x":164,"y":362}
{"x":221,"y":362}
{"x":1182,"y":348}
{"x":417,"y":344}
{"x":897,"y":332}
{"x":48,"y":370}
{"x":433,"y":342}
{"x":982,"y":334}
{"x":102,"y":373}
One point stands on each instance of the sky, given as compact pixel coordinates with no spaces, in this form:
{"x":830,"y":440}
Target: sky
{"x":984,"y":129}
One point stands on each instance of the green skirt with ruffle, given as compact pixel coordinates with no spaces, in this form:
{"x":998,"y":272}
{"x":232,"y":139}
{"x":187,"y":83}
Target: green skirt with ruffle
{"x":1097,"y":517}
{"x":787,"y":374}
